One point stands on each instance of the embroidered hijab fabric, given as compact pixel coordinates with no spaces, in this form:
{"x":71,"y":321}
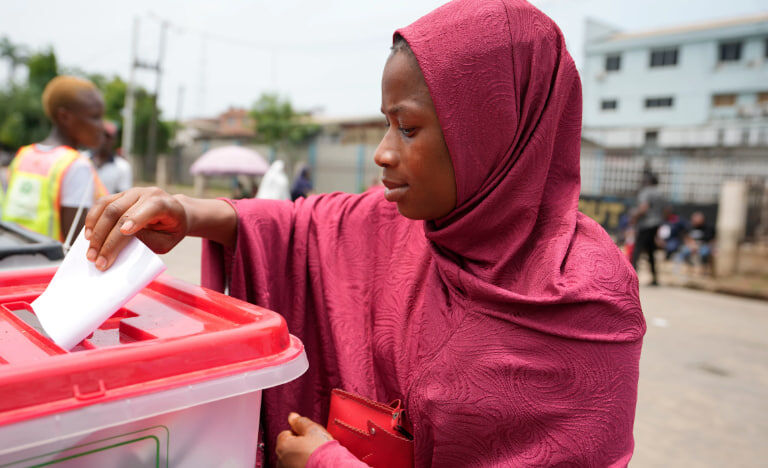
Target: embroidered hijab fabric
{"x":511,"y":329}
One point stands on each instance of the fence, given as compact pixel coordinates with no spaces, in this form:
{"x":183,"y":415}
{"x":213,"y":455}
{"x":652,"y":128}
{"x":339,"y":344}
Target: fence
{"x":684,"y":180}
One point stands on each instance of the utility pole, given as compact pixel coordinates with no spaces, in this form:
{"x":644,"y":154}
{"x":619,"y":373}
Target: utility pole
{"x":152,"y":138}
{"x":201,"y":84}
{"x":130,"y":98}
{"x":177,"y":145}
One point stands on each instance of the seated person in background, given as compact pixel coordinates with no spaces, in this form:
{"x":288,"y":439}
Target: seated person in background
{"x":671,"y":232}
{"x":48,"y":181}
{"x":114,"y":171}
{"x":698,"y":240}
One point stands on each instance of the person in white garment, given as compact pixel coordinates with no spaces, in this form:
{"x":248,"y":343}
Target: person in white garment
{"x":114,"y":170}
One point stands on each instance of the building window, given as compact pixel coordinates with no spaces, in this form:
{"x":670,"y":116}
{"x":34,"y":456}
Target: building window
{"x":652,"y":138}
{"x":612,"y":62}
{"x":745,"y":137}
{"x":724,"y":100}
{"x":652,"y":103}
{"x":766,"y":48}
{"x":609,"y":104}
{"x":730,"y":51}
{"x":762,"y":98}
{"x":720,"y":136}
{"x":664,"y":57}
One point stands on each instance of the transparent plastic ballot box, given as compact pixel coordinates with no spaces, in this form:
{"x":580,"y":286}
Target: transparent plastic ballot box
{"x":22,"y":248}
{"x":174,"y":378}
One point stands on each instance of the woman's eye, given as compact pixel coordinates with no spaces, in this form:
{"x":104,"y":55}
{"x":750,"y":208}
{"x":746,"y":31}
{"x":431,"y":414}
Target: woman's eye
{"x":407,"y":131}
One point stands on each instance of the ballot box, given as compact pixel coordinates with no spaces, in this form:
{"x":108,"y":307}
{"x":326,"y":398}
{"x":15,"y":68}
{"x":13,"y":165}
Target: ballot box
{"x":174,"y":378}
{"x":22,"y":248}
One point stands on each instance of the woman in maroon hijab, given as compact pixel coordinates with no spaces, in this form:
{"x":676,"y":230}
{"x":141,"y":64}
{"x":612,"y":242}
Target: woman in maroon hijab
{"x":471,"y":288}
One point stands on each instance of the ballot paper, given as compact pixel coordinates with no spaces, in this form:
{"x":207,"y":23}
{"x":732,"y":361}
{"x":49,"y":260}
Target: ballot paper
{"x":80,"y":298}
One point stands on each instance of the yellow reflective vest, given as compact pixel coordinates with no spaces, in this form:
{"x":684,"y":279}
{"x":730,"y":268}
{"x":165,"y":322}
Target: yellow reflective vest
{"x":33,"y":198}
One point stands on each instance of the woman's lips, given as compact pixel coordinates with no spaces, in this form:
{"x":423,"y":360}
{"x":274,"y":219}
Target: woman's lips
{"x":395,"y":191}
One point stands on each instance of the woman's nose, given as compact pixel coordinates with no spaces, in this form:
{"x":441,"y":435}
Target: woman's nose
{"x":385,"y":155}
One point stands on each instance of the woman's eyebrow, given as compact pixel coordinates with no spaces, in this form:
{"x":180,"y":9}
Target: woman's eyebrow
{"x":409,"y":105}
{"x":392,"y":110}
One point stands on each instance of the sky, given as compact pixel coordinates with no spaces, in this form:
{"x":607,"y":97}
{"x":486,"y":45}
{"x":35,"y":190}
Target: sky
{"x":325,"y":56}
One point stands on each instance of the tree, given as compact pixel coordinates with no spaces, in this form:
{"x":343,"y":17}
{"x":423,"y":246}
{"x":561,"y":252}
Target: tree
{"x":42,"y":67}
{"x":277,"y":123}
{"x":22,"y":120}
{"x":14,"y":54}
{"x":113,"y":91}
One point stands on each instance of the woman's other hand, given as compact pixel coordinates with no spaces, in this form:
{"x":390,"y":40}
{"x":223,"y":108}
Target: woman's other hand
{"x":155,"y":217}
{"x":295,"y":446}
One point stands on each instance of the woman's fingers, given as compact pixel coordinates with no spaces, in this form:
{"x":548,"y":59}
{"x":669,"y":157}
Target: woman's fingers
{"x":300,"y":424}
{"x":102,"y":220}
{"x":303,"y":426}
{"x":93,"y":214}
{"x":138,"y":215}
{"x":282,"y":439}
{"x":114,"y":219}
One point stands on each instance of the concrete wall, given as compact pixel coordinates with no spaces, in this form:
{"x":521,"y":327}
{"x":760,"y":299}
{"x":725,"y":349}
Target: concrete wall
{"x":338,"y":166}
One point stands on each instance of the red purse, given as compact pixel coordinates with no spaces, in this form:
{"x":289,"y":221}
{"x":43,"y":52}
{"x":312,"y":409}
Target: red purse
{"x":376,"y":433}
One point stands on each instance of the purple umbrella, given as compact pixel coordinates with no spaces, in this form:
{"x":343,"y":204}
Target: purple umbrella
{"x":230,"y":160}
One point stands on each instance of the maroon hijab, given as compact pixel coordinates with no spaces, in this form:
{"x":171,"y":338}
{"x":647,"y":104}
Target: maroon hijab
{"x":511,"y":328}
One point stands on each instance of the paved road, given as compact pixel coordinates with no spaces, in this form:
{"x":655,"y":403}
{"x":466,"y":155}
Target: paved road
{"x":704,"y":375}
{"x":184,"y":260}
{"x":703,"y":381}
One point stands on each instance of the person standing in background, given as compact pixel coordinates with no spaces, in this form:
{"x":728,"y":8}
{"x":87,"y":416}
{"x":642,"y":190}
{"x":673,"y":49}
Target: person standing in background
{"x":647,"y":218}
{"x":274,"y":185}
{"x":48,"y":181}
{"x":114,"y":170}
{"x":302,"y":183}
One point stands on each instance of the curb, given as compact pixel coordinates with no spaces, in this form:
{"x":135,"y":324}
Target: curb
{"x":759,"y":295}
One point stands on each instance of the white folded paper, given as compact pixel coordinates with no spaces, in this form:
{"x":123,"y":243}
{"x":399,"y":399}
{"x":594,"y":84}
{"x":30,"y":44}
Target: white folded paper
{"x":80,"y":298}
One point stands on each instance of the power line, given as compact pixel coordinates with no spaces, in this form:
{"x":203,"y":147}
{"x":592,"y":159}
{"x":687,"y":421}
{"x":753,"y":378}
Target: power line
{"x":268,"y":46}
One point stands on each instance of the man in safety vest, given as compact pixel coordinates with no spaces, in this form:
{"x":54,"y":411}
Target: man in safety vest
{"x":50,"y":180}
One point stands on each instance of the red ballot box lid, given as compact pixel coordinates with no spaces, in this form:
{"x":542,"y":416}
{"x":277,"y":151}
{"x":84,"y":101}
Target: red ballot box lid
{"x":171,"y":334}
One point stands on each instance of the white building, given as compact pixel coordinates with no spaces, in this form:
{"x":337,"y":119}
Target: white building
{"x":696,"y":86}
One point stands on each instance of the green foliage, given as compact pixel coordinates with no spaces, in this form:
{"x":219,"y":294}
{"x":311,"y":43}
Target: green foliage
{"x":42,"y":69}
{"x":14,"y":54}
{"x":278,"y":123}
{"x":22,"y":120}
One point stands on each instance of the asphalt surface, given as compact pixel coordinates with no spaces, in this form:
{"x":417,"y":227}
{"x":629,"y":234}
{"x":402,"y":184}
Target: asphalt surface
{"x":703,"y":382}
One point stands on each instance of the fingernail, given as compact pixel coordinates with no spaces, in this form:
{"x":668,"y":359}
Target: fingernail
{"x":127,"y":226}
{"x":293,"y":415}
{"x":101,"y":263}
{"x":87,"y":233}
{"x":91,"y":255}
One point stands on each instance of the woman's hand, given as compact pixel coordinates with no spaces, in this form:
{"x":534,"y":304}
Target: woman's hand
{"x":295,"y":446}
{"x":155,"y":217}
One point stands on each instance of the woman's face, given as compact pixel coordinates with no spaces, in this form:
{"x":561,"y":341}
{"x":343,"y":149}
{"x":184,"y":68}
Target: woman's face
{"x":418,"y":172}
